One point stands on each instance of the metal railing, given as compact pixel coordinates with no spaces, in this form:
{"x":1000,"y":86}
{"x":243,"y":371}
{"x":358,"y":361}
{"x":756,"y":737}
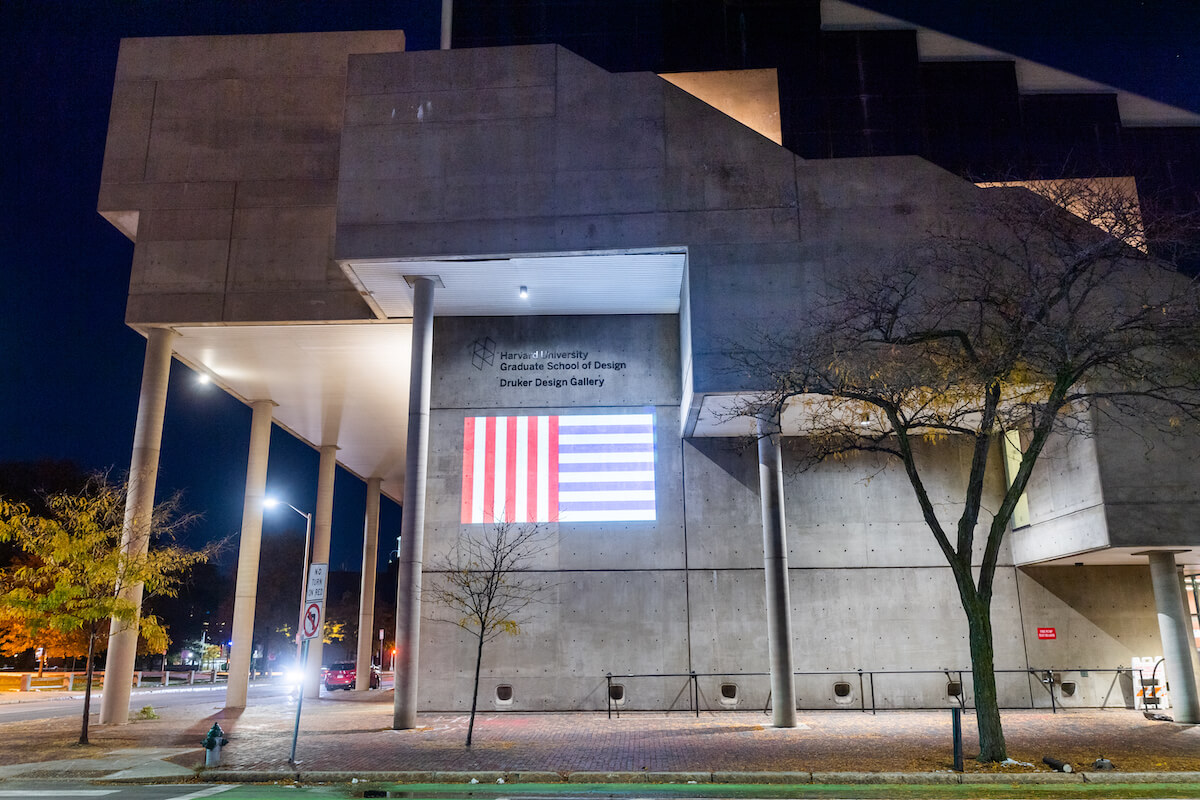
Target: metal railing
{"x":1061,"y":692}
{"x":74,"y":681}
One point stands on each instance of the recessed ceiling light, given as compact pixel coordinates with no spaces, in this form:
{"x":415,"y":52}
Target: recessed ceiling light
{"x":524,"y":292}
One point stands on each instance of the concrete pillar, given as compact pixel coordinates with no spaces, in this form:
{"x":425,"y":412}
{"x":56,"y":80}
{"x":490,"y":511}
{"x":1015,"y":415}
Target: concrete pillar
{"x":245,"y":593}
{"x":366,"y":595}
{"x":322,"y":531}
{"x":779,"y":606}
{"x":412,"y":523}
{"x":447,"y":21}
{"x":1175,"y":629}
{"x":139,"y":506}
{"x":1187,"y":619}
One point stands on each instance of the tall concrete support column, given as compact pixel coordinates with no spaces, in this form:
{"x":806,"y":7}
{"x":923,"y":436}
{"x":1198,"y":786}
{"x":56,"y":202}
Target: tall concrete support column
{"x":1175,"y":629}
{"x":412,"y":523}
{"x":245,"y":593}
{"x":366,"y":595}
{"x":779,"y":606}
{"x":322,"y":530}
{"x":139,"y":506}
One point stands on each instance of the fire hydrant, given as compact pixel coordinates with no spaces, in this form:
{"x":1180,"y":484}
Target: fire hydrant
{"x":213,"y":742}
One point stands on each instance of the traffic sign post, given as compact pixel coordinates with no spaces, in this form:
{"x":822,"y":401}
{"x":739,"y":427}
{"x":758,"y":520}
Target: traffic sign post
{"x":312,"y":617}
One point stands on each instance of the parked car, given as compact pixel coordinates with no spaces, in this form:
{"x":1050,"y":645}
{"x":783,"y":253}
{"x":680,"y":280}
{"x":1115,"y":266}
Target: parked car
{"x":342,"y":674}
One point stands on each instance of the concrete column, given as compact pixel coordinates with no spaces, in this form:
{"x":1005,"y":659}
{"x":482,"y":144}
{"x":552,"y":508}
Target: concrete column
{"x":322,"y":531}
{"x":139,"y":506}
{"x":1187,"y":620}
{"x":412,"y":523}
{"x":245,"y":593}
{"x":447,"y":20}
{"x":1175,"y":629}
{"x":366,"y":595}
{"x":779,"y":606}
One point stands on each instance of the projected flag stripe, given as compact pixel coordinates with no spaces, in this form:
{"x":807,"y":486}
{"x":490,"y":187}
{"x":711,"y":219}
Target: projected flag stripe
{"x":550,"y":468}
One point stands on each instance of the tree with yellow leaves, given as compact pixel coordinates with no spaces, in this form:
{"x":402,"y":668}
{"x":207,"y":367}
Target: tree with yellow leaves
{"x":1022,"y":315}
{"x":69,"y":560}
{"x":485,"y":584}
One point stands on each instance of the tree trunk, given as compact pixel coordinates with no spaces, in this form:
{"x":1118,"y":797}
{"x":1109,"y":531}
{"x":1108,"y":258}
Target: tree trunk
{"x":983,"y":671}
{"x":87,"y":691}
{"x":475,"y":691}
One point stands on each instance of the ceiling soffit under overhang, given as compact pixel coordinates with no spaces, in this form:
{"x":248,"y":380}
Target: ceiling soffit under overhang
{"x":554,"y":284}
{"x":339,"y":384}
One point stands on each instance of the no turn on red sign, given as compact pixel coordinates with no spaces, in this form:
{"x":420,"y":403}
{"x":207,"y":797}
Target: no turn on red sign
{"x":310,"y":625}
{"x":312,"y":610}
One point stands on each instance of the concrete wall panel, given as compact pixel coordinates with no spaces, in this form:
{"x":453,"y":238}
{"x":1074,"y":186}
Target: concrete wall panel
{"x":470,"y":105}
{"x":1093,"y":629}
{"x":214,"y":123}
{"x":1151,"y":482}
{"x":144,"y":196}
{"x":464,"y":379}
{"x":588,"y":624}
{"x":1066,"y":510}
{"x":586,"y":91}
{"x":181,"y":265}
{"x":128,"y":132}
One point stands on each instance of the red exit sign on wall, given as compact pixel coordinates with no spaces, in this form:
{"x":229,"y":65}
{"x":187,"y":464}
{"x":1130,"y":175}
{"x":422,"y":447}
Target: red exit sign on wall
{"x":1046,"y":633}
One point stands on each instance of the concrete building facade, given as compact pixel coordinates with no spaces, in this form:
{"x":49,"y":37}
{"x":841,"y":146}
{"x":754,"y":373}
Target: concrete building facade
{"x":389,"y":253}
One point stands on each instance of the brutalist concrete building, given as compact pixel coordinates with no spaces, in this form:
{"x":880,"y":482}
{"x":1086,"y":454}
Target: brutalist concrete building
{"x":500,"y":282}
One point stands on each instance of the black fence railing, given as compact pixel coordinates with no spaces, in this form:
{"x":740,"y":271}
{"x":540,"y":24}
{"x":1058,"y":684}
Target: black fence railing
{"x":1062,"y":687}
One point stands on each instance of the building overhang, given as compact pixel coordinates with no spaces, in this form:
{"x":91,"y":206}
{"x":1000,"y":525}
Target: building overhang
{"x":524,"y":285}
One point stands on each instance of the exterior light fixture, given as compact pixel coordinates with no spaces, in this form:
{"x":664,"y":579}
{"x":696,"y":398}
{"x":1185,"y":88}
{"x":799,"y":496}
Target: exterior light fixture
{"x":274,"y":502}
{"x":524,"y":292}
{"x":203,"y":378}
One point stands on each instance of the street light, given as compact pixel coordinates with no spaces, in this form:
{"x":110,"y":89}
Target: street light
{"x":271,"y":502}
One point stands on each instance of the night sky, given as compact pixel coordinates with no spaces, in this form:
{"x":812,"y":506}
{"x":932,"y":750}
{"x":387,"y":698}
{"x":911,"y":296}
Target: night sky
{"x":72,"y":370}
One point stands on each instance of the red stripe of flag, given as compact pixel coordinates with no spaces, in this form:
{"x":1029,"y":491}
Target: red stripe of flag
{"x":552,"y":468}
{"x":468,"y":479}
{"x":489,"y":470}
{"x":510,"y":472}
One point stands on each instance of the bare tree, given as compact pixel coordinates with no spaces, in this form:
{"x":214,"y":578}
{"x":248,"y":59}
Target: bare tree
{"x":1012,"y":317}
{"x":485,"y":584}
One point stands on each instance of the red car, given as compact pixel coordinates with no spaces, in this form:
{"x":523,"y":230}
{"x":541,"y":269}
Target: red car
{"x":342,"y":674}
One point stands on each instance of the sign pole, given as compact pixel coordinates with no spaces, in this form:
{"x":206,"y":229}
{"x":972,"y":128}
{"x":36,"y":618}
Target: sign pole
{"x":299,"y":699}
{"x":312,"y":613}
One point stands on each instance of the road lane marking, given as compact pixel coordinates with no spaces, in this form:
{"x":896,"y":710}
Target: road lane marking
{"x":209,"y":792}
{"x":56,"y":792}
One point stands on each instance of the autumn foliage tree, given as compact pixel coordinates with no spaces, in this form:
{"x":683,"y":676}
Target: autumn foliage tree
{"x":1022,"y":315}
{"x":485,"y":585}
{"x":60,"y":586}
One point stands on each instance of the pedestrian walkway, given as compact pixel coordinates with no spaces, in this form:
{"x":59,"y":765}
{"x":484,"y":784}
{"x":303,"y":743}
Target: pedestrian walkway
{"x":349,"y":735}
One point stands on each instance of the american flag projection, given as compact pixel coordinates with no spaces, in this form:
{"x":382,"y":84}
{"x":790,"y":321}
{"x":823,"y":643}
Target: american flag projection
{"x":570,"y":468}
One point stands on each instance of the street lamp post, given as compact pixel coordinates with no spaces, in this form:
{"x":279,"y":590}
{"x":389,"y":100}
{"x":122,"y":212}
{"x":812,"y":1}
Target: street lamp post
{"x":271,"y":503}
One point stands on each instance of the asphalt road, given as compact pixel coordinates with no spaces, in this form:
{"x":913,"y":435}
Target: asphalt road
{"x":72,"y":705}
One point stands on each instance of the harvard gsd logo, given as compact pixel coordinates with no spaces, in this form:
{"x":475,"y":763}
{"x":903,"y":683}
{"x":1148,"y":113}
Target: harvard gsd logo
{"x":483,"y":352}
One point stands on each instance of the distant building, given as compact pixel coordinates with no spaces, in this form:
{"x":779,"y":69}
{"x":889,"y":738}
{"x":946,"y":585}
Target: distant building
{"x":568,"y":250}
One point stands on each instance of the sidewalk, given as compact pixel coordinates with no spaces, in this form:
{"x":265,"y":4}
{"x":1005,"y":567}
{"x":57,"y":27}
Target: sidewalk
{"x":349,"y":736}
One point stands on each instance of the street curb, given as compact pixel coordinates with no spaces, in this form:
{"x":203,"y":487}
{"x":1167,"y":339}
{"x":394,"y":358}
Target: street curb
{"x":1022,"y":777}
{"x":1141,"y":777}
{"x":842,"y":778}
{"x":484,"y":777}
{"x":585,"y":776}
{"x":762,"y":777}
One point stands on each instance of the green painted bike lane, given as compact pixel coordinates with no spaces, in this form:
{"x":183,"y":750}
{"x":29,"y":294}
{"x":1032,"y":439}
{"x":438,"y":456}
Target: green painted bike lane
{"x":551,"y":791}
